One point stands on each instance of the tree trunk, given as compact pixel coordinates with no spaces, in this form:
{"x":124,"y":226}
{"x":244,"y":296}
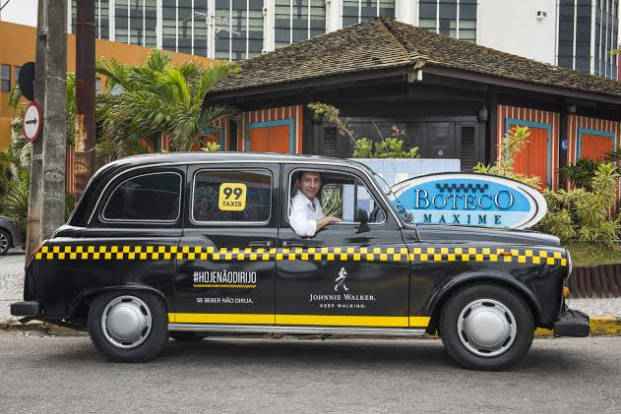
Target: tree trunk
{"x":55,"y":119}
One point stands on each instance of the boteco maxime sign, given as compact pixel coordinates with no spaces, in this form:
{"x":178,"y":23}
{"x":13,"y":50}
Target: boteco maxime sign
{"x":471,"y":199}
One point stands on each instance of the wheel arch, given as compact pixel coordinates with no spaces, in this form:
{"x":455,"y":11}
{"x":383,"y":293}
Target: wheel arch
{"x":79,"y":308}
{"x":441,"y":295}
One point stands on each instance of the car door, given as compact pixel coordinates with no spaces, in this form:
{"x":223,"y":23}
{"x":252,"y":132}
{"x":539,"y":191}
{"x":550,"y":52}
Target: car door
{"x":349,"y":274}
{"x":225,"y":270}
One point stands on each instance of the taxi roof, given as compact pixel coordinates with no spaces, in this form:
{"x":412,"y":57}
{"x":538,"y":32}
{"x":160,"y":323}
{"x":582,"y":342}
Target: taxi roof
{"x":193,"y":157}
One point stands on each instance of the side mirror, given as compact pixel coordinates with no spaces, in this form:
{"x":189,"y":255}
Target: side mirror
{"x":362,"y":216}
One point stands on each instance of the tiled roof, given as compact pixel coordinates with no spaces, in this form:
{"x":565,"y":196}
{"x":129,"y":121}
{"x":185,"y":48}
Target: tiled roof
{"x":383,"y":44}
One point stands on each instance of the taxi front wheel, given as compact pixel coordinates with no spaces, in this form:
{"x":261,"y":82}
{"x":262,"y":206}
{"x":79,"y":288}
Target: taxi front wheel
{"x":128,"y":326}
{"x":486,"y":327}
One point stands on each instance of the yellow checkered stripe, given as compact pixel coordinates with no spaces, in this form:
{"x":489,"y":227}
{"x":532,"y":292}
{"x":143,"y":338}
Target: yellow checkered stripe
{"x":486,"y":254}
{"x":342,"y":254}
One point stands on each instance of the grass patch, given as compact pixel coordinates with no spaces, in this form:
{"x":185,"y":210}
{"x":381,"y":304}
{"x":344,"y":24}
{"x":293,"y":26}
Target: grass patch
{"x":593,"y":254}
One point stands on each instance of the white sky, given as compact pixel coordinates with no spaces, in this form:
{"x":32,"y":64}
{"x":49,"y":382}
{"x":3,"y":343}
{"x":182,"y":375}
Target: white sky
{"x":20,"y":11}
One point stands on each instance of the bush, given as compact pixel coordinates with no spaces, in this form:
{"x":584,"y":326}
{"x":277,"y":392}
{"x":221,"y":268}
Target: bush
{"x":581,"y":174}
{"x":391,"y":147}
{"x":585,"y":215}
{"x":512,"y":143}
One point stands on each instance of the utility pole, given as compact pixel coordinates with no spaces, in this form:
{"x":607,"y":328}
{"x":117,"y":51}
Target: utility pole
{"x":85,"y":93}
{"x":33,"y":223}
{"x":55,"y":119}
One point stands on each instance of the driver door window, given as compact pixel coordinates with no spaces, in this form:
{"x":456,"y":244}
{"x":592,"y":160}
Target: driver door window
{"x":350,"y":201}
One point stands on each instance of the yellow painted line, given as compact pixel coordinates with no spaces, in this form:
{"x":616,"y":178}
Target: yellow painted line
{"x":224,"y":318}
{"x":419,"y":321}
{"x":343,"y":320}
{"x":605,"y":325}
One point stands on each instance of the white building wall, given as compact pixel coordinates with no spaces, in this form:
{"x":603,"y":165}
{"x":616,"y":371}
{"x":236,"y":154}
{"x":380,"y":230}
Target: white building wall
{"x":514,"y":27}
{"x":407,"y":11}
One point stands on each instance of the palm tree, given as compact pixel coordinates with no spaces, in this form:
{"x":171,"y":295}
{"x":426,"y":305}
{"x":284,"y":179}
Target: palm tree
{"x":156,"y":99}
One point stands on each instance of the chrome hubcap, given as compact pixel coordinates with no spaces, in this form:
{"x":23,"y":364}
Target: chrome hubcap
{"x":126,"y":321}
{"x":486,"y":327}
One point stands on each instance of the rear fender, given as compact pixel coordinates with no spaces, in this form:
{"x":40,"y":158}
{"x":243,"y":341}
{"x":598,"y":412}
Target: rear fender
{"x":85,"y":297}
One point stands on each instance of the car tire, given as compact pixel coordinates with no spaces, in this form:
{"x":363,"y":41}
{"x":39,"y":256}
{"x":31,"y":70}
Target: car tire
{"x":179,"y":336}
{"x":486,"y":327}
{"x":128,"y":326}
{"x":5,"y":242}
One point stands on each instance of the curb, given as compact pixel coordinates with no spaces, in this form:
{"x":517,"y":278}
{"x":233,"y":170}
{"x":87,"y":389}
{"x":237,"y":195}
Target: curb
{"x":601,"y":325}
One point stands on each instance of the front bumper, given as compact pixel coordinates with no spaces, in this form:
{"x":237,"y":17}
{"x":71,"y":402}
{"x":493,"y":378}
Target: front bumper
{"x":29,"y":309}
{"x":572,"y":323}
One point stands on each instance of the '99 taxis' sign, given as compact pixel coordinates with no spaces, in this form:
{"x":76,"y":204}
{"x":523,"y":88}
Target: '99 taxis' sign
{"x":232,"y":197}
{"x":471,"y":199}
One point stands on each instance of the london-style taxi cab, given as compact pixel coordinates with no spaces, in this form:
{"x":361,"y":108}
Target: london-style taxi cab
{"x":184,"y":245}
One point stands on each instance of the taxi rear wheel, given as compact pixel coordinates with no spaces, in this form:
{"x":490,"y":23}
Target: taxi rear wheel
{"x":128,"y":326}
{"x":486,"y":327}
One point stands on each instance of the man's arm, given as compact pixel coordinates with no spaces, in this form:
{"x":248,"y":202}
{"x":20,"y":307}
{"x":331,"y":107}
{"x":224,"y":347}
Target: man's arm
{"x":327,"y":220}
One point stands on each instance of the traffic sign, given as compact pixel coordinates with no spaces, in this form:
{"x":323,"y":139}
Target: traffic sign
{"x":26,"y":80}
{"x":33,"y":121}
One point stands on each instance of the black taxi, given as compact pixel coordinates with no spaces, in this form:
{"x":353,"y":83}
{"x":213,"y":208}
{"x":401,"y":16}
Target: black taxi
{"x":188,"y":244}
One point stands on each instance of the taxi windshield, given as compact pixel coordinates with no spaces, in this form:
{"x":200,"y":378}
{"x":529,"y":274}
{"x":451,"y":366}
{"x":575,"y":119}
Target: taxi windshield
{"x":392,"y":198}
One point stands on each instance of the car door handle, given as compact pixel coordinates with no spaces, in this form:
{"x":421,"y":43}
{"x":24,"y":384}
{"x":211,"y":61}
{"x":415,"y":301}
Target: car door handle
{"x":262,"y":243}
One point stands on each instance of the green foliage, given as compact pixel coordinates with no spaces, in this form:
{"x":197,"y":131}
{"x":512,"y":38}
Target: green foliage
{"x":581,"y":174}
{"x":327,"y":113}
{"x":332,"y":200}
{"x":363,"y":148}
{"x":211,"y":147}
{"x":585,"y":215}
{"x":391,"y":147}
{"x":156,"y":99}
{"x":512,"y":143}
{"x":15,"y":202}
{"x":72,"y":108}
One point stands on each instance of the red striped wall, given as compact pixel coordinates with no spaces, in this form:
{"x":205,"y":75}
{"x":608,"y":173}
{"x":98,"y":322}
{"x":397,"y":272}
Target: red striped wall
{"x":506,"y":112}
{"x":577,"y":122}
{"x":294,"y":113}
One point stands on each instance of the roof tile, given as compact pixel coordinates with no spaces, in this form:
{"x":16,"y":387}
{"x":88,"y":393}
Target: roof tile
{"x":382,"y":43}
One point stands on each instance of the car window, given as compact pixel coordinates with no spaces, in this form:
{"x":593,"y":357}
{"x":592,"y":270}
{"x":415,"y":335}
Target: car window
{"x":147,"y":197}
{"x":346,"y":197}
{"x":232,"y":196}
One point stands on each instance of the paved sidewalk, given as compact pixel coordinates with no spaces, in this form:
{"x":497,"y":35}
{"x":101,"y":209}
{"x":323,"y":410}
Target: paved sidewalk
{"x":12,"y":284}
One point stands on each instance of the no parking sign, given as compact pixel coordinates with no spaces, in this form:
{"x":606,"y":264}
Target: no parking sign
{"x":33,"y":121}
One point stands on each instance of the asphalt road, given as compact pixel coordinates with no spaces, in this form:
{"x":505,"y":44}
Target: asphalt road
{"x":226,"y":375}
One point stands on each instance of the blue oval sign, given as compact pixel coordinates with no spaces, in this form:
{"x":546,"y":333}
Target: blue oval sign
{"x":471,"y":200}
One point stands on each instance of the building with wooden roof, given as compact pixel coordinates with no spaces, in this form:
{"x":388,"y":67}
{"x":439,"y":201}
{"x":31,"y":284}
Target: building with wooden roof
{"x":452,"y":99}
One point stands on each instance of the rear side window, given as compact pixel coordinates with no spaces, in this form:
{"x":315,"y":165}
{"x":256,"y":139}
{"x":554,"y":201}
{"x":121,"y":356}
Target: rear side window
{"x":232,"y":196}
{"x":147,"y":197}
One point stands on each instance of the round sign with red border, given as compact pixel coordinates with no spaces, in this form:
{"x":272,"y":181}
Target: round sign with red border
{"x":33,"y":121}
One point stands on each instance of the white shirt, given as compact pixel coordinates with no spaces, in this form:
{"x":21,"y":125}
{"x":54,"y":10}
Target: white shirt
{"x":305,"y":214}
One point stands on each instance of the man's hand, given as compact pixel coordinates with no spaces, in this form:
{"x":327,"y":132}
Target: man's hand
{"x":326,"y":221}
